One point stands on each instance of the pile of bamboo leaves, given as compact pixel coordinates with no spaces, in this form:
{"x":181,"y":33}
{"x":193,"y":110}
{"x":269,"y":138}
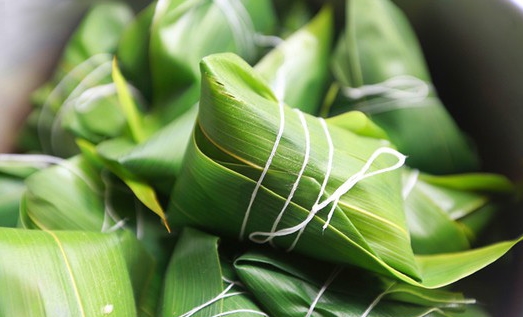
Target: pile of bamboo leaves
{"x":244,"y":157}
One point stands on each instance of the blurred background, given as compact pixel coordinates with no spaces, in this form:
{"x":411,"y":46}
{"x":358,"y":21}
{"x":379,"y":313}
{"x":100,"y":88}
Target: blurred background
{"x":32,"y":36}
{"x":474,"y":49}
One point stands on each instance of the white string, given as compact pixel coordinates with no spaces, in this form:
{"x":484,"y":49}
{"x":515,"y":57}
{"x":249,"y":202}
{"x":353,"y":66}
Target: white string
{"x":228,"y":281}
{"x":267,"y":40}
{"x":38,"y":160}
{"x":335,"y":197}
{"x":432,"y":310}
{"x":272,"y":235}
{"x":94,"y":76}
{"x":376,"y":301}
{"x":241,"y":311}
{"x":409,"y":89}
{"x":331,"y":278}
{"x":279,"y":85}
{"x":300,"y":174}
{"x":397,"y":87}
{"x":279,"y":90}
{"x":84,"y":101}
{"x":362,"y":174}
{"x":409,"y":183}
{"x":281,"y":107}
{"x":241,"y":24}
{"x":140,"y":221}
{"x":376,"y":107}
{"x":42,"y":161}
{"x":54,"y":94}
{"x":220,"y":296}
{"x":117,"y":226}
{"x":325,"y":179}
{"x":159,"y":10}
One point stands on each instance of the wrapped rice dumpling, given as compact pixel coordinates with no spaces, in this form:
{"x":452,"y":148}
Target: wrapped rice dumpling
{"x":283,"y":69}
{"x":318,"y":158}
{"x":381,"y":71}
{"x":290,"y":285}
{"x":257,"y":169}
{"x":159,"y":158}
{"x":184,"y":31}
{"x":85,"y":64}
{"x":209,"y":276}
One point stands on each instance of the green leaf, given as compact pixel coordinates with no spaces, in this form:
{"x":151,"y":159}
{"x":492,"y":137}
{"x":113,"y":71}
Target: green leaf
{"x":252,"y":172}
{"x":445,"y":213}
{"x":44,"y":273}
{"x":366,"y":229}
{"x":289,"y":285}
{"x":183,"y":32}
{"x":358,"y":123}
{"x":306,"y":49}
{"x":443,"y":269}
{"x":108,"y":152}
{"x":96,"y":115}
{"x":66,"y":196}
{"x":11,"y":190}
{"x":134,"y":62}
{"x":381,"y":71}
{"x":161,"y":155}
{"x":98,"y":33}
{"x":478,"y":182}
{"x":196,"y":284}
{"x":159,"y":158}
{"x":129,"y":107}
{"x":85,"y":64}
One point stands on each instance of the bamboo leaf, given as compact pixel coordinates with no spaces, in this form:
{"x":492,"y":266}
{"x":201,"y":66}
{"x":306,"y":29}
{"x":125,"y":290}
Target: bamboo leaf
{"x":478,"y":182}
{"x":159,"y":158}
{"x":196,"y":284}
{"x":242,"y":123}
{"x":283,"y":69}
{"x":362,"y":236}
{"x":85,"y":63}
{"x":109,"y":152}
{"x":134,"y":62}
{"x":380,"y":68}
{"x":173,"y":71}
{"x":99,"y":33}
{"x":446,"y":213}
{"x":11,"y":190}
{"x":443,"y":269}
{"x":233,"y":93}
{"x":66,"y":196}
{"x":183,"y":32}
{"x":358,"y":123}
{"x":129,"y":107}
{"x":43,"y":273}
{"x":84,"y":119}
{"x":288,"y":285}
